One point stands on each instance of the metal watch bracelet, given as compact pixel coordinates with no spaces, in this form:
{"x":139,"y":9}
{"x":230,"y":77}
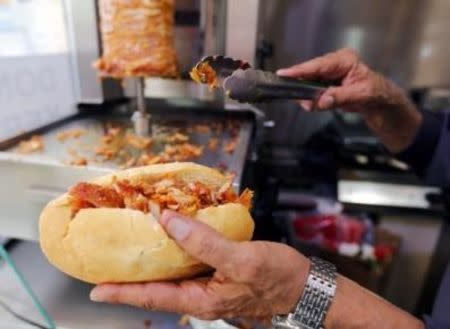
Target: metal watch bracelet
{"x":315,"y":301}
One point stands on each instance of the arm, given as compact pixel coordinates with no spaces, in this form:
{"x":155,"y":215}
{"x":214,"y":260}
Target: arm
{"x":429,"y":153}
{"x":356,"y":307}
{"x":252,"y":279}
{"x":421,"y":139}
{"x":384,"y":107}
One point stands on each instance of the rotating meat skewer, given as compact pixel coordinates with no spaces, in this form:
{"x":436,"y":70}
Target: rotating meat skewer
{"x":144,"y":50}
{"x":140,"y":118}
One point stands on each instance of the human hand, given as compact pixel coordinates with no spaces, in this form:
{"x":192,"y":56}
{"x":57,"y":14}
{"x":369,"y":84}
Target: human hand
{"x":384,"y":106}
{"x":359,"y":86}
{"x":252,"y":279}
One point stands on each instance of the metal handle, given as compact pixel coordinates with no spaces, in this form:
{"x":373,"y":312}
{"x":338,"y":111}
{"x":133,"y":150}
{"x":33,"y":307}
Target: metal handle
{"x":255,"y":86}
{"x":289,"y":88}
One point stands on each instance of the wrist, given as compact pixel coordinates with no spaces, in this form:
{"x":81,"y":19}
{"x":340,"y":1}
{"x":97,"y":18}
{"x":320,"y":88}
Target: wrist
{"x":299,"y":279}
{"x":395,"y":123}
{"x":317,"y":295}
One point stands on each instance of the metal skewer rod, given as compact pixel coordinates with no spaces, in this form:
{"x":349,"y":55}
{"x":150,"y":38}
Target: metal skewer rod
{"x":141,"y":118}
{"x":140,"y":96}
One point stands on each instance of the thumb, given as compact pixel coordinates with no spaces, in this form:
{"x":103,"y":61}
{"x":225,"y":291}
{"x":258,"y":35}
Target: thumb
{"x":199,"y":240}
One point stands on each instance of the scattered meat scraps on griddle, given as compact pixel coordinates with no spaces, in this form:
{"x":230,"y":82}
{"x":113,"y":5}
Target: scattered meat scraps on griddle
{"x":138,"y":142}
{"x":70,"y":134}
{"x":80,"y":161}
{"x":154,"y":196}
{"x":202,"y":128}
{"x":177,"y":138}
{"x":230,"y":146}
{"x":213,"y":143}
{"x":34,"y":144}
{"x":128,"y":150}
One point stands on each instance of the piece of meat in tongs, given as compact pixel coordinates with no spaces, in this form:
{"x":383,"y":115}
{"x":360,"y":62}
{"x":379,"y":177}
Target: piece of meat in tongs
{"x":212,"y":70}
{"x":245,"y":84}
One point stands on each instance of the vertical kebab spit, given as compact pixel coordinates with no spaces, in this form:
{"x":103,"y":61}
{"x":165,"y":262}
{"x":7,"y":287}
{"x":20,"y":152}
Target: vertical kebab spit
{"x":141,"y":118}
{"x":138,"y":42}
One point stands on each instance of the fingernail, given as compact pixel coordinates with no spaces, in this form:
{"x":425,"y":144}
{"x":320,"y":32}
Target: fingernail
{"x":178,"y":228}
{"x":306,"y":106}
{"x":165,"y":216}
{"x":327,"y":101}
{"x":95,"y":296}
{"x":282,"y":71}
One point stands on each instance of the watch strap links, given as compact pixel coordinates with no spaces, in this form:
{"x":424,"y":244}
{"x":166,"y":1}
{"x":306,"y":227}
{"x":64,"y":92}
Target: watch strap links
{"x":315,"y":301}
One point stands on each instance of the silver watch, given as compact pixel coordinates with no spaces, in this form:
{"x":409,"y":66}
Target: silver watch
{"x":315,"y":301}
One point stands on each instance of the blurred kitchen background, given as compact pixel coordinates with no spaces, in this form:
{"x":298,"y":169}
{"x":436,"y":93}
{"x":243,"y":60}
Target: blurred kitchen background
{"x":300,"y":164}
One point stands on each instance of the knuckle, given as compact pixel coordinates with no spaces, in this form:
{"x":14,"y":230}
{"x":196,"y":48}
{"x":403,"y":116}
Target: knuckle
{"x":369,"y":90}
{"x":210,"y":305}
{"x":210,"y":309}
{"x":364,"y":70}
{"x":148,"y":304}
{"x":252,"y":267}
{"x":350,"y":52}
{"x":216,"y":304}
{"x":206,"y":247}
{"x":208,"y":316}
{"x":115,"y":295}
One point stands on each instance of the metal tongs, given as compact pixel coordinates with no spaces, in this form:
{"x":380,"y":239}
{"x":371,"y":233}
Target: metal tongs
{"x":245,"y":84}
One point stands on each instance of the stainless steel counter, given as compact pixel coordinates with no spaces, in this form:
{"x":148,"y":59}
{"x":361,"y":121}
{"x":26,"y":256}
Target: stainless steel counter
{"x":67,"y":302}
{"x":66,"y":299}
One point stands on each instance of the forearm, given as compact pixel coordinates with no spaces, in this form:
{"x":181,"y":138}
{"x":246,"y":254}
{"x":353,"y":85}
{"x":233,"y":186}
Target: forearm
{"x":395,"y":122}
{"x":356,"y":307}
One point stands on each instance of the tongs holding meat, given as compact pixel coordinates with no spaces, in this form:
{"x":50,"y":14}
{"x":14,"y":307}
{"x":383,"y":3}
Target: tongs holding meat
{"x":245,"y":84}
{"x":211,"y":70}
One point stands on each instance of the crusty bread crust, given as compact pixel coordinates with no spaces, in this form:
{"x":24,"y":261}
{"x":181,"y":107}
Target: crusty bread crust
{"x":122,"y":245}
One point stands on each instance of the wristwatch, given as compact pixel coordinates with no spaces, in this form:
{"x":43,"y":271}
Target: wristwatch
{"x":315,"y":301}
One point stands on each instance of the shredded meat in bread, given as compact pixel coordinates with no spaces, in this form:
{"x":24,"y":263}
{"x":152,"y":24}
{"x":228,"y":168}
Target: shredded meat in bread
{"x":153,"y":197}
{"x":87,"y":195}
{"x":71,"y":133}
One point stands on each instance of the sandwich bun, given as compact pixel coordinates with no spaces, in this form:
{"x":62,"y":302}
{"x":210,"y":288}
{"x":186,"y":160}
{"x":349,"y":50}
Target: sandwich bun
{"x":106,"y":245}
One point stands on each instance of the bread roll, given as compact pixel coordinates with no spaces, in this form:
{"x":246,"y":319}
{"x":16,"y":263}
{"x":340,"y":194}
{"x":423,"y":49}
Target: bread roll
{"x":100,"y":245}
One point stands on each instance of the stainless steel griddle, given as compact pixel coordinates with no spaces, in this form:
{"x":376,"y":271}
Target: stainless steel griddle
{"x":30,"y":181}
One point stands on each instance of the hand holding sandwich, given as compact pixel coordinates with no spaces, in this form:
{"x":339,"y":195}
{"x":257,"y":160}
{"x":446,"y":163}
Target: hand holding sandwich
{"x":252,"y":279}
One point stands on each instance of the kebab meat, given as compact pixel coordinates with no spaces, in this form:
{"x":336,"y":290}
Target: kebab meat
{"x":137,"y":39}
